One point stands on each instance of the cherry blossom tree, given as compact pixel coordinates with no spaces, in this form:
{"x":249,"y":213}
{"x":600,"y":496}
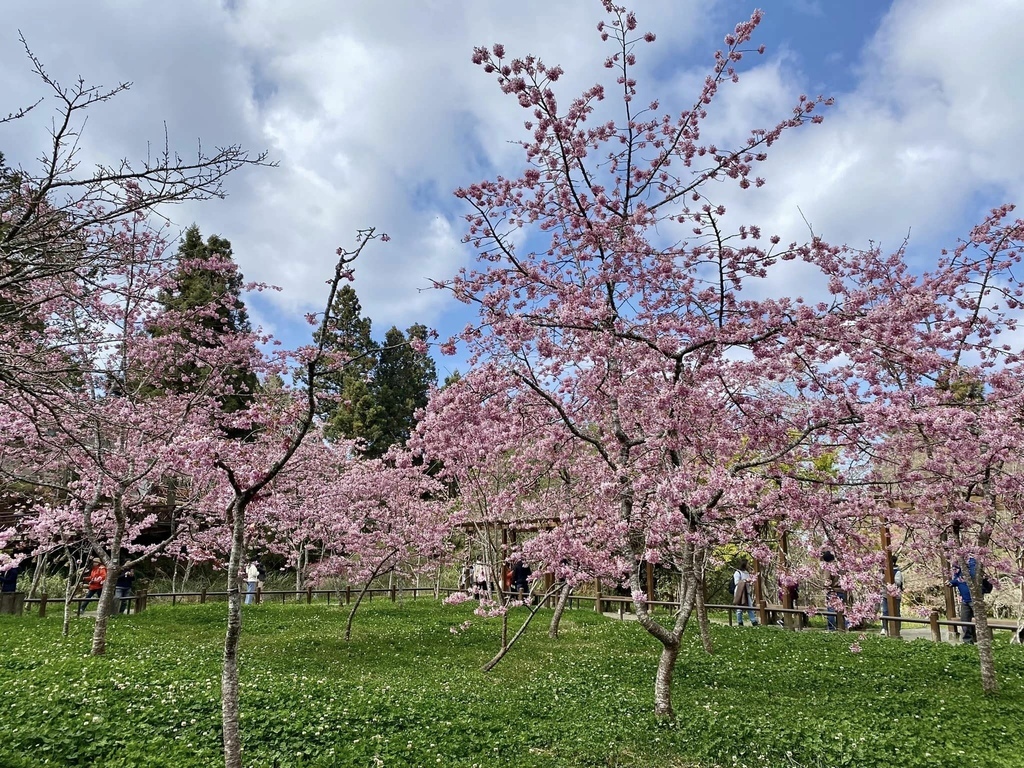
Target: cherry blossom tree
{"x":611,"y":302}
{"x":949,"y":463}
{"x":376,"y":516}
{"x":250,"y":467}
{"x":103,"y":438}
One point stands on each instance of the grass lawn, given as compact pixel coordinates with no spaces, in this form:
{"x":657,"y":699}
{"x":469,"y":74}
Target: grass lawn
{"x":408,"y":692}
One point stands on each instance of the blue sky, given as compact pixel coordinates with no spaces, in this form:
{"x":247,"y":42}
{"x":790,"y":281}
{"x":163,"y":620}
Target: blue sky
{"x":375,"y":114}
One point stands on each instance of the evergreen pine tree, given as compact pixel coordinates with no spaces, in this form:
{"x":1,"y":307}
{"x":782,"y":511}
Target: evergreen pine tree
{"x":376,"y":392}
{"x":198,"y":287}
{"x":401,"y":384}
{"x":346,"y":411}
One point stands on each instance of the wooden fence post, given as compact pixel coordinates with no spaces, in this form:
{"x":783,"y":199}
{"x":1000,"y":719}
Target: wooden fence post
{"x":933,"y":622}
{"x":202,"y":596}
{"x":309,"y":595}
{"x":951,"y":615}
{"x":394,"y":593}
{"x":348,"y":594}
{"x":259,"y":594}
{"x":597,"y":596}
{"x":42,"y":605}
{"x":891,"y":627}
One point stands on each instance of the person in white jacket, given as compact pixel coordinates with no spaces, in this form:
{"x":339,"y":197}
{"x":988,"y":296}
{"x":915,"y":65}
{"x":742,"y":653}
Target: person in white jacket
{"x":252,"y":577}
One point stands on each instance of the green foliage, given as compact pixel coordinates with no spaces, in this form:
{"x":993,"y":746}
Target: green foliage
{"x":196,"y":289}
{"x":378,"y":389}
{"x":401,"y":381}
{"x":406,"y":691}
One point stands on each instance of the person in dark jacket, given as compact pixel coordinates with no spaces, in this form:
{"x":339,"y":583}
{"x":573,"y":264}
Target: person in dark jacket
{"x":520,"y":575}
{"x":9,"y":580}
{"x":966,"y":604}
{"x":123,"y":590}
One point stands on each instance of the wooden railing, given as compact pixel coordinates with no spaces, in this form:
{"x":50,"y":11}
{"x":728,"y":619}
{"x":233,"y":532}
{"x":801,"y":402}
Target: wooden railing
{"x":601,"y":603}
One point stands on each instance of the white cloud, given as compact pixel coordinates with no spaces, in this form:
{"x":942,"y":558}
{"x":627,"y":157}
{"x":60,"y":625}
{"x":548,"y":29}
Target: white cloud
{"x":375,"y":114}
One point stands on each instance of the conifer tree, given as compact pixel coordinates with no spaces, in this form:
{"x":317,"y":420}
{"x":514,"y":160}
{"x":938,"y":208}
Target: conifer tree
{"x":401,"y":383}
{"x":346,"y":410}
{"x":211,"y":287}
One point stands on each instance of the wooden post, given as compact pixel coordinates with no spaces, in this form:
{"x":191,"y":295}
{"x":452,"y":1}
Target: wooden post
{"x":951,"y":615}
{"x":622,"y":610}
{"x":348,"y":594}
{"x":892,"y":626}
{"x":597,"y":593}
{"x":259,"y":594}
{"x":650,"y":582}
{"x":202,"y":596}
{"x":394,"y":593}
{"x":841,"y":620}
{"x":789,"y":620}
{"x":933,"y":622}
{"x":309,"y":595}
{"x":42,"y":605}
{"x":762,"y":610}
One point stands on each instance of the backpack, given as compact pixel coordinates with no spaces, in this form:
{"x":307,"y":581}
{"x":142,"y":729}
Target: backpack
{"x":986,"y":586}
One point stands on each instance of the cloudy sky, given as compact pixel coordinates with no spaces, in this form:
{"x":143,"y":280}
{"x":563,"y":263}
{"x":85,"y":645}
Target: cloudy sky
{"x":375,"y":113}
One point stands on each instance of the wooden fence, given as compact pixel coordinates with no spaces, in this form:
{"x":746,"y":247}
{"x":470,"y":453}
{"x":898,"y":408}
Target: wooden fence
{"x":767,"y":613}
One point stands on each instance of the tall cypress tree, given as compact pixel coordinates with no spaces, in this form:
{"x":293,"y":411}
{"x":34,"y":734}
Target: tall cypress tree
{"x":401,"y":384}
{"x":347,"y":411}
{"x":378,"y":389}
{"x":196,"y":287}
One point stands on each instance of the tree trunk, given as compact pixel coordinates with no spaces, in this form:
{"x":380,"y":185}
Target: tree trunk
{"x":669,"y":638}
{"x":663,"y":681}
{"x":74,"y":579}
{"x":506,"y":646}
{"x":104,"y":609}
{"x":355,"y":607}
{"x":174,"y":576}
{"x":563,"y":599}
{"x":989,"y":681}
{"x":229,"y":672}
{"x":38,"y":574}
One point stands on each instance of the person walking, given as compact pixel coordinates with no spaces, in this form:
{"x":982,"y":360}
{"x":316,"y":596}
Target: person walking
{"x":743,"y":592}
{"x":521,"y":573}
{"x":966,"y":604}
{"x":94,"y":581}
{"x":123,"y":589}
{"x":252,"y":579}
{"x":835,"y":596}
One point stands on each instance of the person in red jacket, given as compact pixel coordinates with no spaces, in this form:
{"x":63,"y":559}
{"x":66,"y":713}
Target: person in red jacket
{"x":97,"y":575}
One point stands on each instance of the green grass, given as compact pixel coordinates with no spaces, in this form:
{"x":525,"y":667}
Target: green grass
{"x":408,"y":692}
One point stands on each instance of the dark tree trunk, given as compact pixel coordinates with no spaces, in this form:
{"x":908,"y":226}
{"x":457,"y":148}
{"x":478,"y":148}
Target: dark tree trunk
{"x":556,"y":618}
